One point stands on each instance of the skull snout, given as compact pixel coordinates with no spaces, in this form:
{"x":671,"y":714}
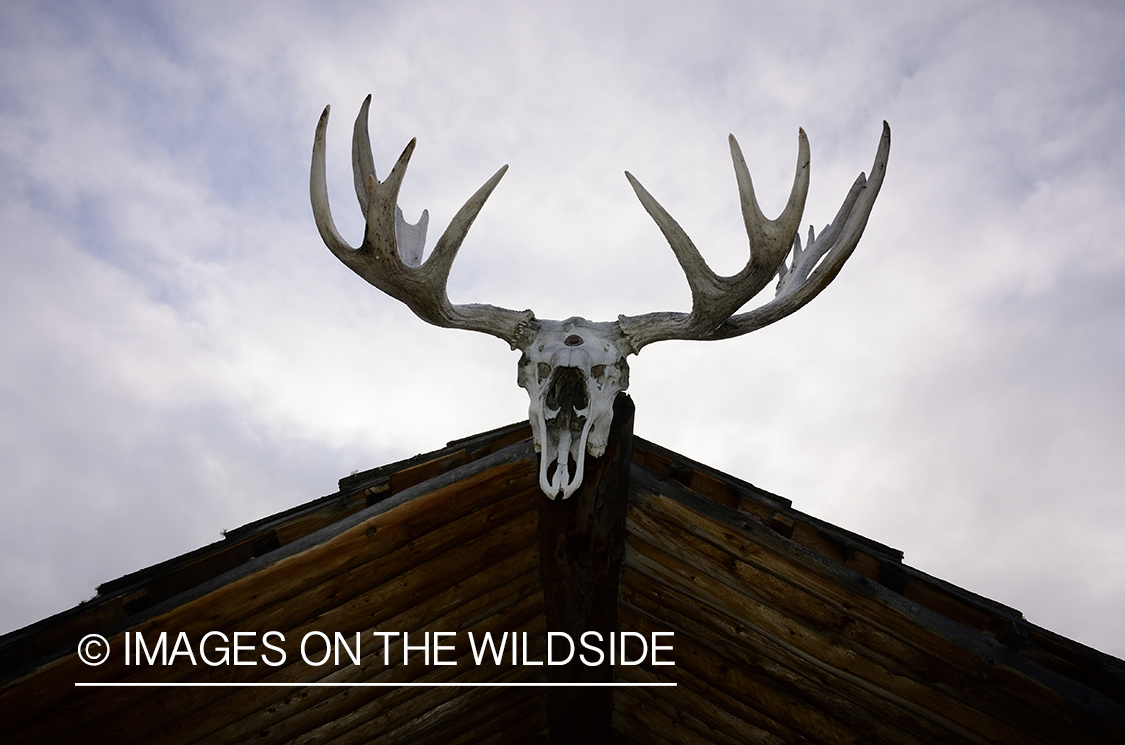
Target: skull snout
{"x":567,"y":395}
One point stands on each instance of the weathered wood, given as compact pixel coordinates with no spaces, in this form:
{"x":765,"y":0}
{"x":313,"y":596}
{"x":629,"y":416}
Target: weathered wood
{"x":425,"y":717}
{"x":408,"y":477}
{"x":786,"y":629}
{"x":367,"y":613}
{"x":804,"y":626}
{"x":753,"y":688}
{"x":581,"y":541}
{"x":795,"y":675}
{"x":508,"y":715}
{"x":531,"y":730}
{"x":122,"y":597}
{"x":358,"y":556}
{"x":672,"y":719}
{"x":812,"y":595}
{"x":373,"y":721}
{"x":821,"y":668}
{"x":714,"y":710}
{"x":347,"y":710}
{"x":941,"y":601}
{"x":628,"y":723}
{"x":293,"y":619}
{"x":247,"y":714}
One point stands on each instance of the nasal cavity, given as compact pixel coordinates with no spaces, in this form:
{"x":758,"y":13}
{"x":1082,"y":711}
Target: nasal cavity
{"x":574,"y":340}
{"x":567,"y":392}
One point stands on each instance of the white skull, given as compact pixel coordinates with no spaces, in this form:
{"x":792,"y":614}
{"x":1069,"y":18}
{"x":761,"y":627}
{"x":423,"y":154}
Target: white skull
{"x":572,"y":370}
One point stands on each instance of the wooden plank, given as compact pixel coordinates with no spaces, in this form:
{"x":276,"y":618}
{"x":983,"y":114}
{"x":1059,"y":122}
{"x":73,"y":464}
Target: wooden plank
{"x":530,"y":731}
{"x":364,"y":614}
{"x":394,"y":592}
{"x":302,"y":525}
{"x":1093,"y":668}
{"x":665,"y":462}
{"x":415,"y":517}
{"x":510,"y":438}
{"x":401,"y":710}
{"x":741,"y":639}
{"x":363,"y":709}
{"x":713,"y":488}
{"x":334,"y":713}
{"x":426,"y":565}
{"x":421,"y":523}
{"x":511,"y":715}
{"x":68,"y":630}
{"x":940,"y":601}
{"x":714,"y":711}
{"x":718,"y":708}
{"x":431,"y":718}
{"x":199,"y":566}
{"x":659,"y":715}
{"x":807,"y":627}
{"x":915,"y":652}
{"x":753,"y":688}
{"x":581,"y":542}
{"x":488,"y":597}
{"x":626,"y":722}
{"x":408,"y":477}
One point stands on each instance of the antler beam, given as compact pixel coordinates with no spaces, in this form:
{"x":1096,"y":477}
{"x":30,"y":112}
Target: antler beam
{"x":390,"y":257}
{"x":716,"y":299}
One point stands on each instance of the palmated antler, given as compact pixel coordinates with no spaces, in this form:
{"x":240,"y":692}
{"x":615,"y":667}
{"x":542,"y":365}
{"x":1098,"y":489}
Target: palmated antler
{"x":715,"y":299}
{"x":390,"y":257}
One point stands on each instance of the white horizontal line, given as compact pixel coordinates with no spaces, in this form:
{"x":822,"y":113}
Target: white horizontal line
{"x":374,"y":685}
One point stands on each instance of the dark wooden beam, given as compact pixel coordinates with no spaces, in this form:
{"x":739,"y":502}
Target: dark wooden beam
{"x":581,"y":542}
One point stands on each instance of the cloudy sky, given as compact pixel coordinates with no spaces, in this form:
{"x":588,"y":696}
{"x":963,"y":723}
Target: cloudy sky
{"x":179,"y":353}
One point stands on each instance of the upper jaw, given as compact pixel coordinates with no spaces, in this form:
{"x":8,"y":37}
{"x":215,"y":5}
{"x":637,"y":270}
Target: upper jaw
{"x":564,"y":429}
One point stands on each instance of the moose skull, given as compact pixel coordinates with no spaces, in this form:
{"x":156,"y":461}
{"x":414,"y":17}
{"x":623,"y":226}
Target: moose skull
{"x":573,"y":369}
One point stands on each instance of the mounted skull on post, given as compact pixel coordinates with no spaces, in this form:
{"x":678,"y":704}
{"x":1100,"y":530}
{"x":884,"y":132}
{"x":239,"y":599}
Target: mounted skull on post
{"x":573,"y":369}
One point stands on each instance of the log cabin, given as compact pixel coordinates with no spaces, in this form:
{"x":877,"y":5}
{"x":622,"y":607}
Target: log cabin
{"x":730,"y":616}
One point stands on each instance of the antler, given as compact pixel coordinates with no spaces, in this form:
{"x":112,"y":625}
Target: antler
{"x":715,"y":299}
{"x":390,"y":257}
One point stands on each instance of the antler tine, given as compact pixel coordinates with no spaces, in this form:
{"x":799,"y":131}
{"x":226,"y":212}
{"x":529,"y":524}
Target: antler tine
{"x":363,"y":162}
{"x":409,"y":239}
{"x":318,"y":193}
{"x":770,"y":239}
{"x":715,"y":298}
{"x":441,"y":260}
{"x":807,"y":278}
{"x":384,"y":263}
{"x":704,"y":283}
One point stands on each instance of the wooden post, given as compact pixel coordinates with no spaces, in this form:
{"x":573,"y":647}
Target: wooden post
{"x":581,"y":542}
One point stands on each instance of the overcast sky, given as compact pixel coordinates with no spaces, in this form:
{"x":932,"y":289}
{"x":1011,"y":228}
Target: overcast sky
{"x":180,"y":354}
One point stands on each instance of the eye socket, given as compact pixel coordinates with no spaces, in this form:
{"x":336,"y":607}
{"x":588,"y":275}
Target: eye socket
{"x":597,"y":371}
{"x":544,"y":370}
